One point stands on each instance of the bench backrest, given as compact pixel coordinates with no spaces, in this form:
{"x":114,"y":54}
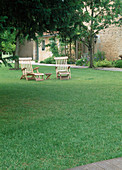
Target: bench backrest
{"x":26,"y":63}
{"x":61,"y":63}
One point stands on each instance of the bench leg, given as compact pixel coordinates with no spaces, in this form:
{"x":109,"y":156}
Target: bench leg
{"x":48,"y":77}
{"x":64,"y":77}
{"x":39,"y":78}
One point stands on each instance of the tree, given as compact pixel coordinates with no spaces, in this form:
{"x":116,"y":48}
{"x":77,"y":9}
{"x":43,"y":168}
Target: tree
{"x":89,"y":19}
{"x":5,"y":42}
{"x":96,"y":16}
{"x":35,"y":17}
{"x":53,"y":46}
{"x":69,"y":28}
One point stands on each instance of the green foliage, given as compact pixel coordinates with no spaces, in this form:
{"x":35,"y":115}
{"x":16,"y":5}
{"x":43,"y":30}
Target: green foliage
{"x":2,"y":23}
{"x":72,"y":19}
{"x":36,"y":61}
{"x":61,"y":48}
{"x":71,"y":61}
{"x":7,"y":61}
{"x":99,"y":56}
{"x":42,"y":62}
{"x":82,"y":62}
{"x":57,"y":50}
{"x":104,"y":63}
{"x":96,"y":16}
{"x":49,"y":60}
{"x":53,"y":47}
{"x":35,"y":17}
{"x":8,"y":41}
{"x":118,"y":63}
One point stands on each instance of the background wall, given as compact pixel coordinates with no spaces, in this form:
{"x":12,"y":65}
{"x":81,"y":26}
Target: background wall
{"x":110,"y":41}
{"x":26,"y":49}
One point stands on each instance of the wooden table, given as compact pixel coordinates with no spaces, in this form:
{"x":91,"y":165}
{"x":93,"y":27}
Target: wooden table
{"x":48,"y":75}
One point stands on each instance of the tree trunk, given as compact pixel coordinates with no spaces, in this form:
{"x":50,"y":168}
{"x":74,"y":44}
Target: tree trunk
{"x":70,"y":49}
{"x":91,"y":57}
{"x":37,"y":49}
{"x":17,"y":54}
{"x":91,"y":36}
{"x":0,"y":50}
{"x":76,"y":49}
{"x":65,"y":49}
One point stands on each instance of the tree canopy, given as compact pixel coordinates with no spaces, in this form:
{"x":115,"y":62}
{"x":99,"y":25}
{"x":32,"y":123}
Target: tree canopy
{"x":36,"y":16}
{"x":33,"y":17}
{"x":81,"y":19}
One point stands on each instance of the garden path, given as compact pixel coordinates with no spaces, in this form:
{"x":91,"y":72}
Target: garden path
{"x":112,"y":164}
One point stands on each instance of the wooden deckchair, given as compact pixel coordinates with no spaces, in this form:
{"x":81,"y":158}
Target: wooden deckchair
{"x":62,"y":69}
{"x":28,"y":71}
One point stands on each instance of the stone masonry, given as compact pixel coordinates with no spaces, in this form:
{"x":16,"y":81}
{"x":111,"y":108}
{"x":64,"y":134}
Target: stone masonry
{"x":110,"y":41}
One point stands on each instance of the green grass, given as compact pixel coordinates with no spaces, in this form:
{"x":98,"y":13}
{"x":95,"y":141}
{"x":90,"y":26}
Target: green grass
{"x":56,"y":124}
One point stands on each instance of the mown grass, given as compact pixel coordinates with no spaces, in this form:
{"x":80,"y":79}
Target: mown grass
{"x":56,"y":124}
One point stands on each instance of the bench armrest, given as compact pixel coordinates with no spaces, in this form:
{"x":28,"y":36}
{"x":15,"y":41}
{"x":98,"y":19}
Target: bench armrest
{"x":36,"y":68}
{"x":23,"y":68}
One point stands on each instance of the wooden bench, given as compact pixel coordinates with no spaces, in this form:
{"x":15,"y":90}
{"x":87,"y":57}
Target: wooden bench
{"x":62,"y":69}
{"x":28,"y":71}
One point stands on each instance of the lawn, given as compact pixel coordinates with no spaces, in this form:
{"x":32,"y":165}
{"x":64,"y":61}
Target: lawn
{"x":56,"y":124}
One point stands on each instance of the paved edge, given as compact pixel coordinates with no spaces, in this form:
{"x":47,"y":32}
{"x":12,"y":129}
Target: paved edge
{"x":111,"y":164}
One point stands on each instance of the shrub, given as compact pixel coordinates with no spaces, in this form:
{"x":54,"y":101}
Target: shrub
{"x":99,"y":56}
{"x":104,"y":63}
{"x":53,"y":47}
{"x":36,"y":61}
{"x":82,"y":62}
{"x":42,"y":62}
{"x":118,"y":63}
{"x":49,"y":60}
{"x":71,"y":61}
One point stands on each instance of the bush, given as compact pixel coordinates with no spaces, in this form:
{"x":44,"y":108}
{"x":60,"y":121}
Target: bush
{"x":0,"y":64}
{"x":53,"y":47}
{"x":118,"y":63}
{"x":82,"y":62}
{"x":71,"y":61}
{"x":99,"y":56}
{"x":36,"y":61}
{"x":42,"y":62}
{"x":49,"y":60}
{"x":104,"y":63}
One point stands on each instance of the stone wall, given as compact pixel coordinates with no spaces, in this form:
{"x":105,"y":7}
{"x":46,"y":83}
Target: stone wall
{"x":110,"y":41}
{"x":43,"y":54}
{"x":26,"y":49}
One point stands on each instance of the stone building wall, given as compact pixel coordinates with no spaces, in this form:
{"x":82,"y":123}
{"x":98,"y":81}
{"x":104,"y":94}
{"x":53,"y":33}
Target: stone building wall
{"x":26,"y":49}
{"x":46,"y":53}
{"x":110,"y":41}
